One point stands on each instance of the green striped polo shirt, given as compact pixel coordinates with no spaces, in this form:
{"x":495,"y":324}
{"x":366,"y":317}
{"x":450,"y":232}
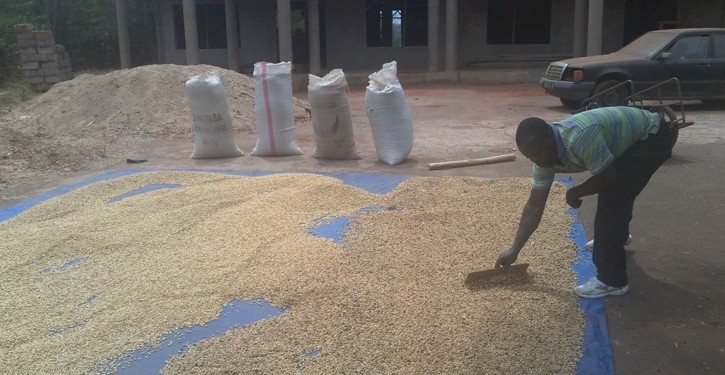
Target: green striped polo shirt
{"x":592,"y":140}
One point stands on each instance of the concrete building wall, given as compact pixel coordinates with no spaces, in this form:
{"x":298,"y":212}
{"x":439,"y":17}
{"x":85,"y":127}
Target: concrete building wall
{"x":346,"y":44}
{"x":613,"y":25}
{"x":257,"y":29}
{"x":473,"y":24}
{"x":701,"y":13}
{"x":473,"y":31}
{"x":258,"y":33}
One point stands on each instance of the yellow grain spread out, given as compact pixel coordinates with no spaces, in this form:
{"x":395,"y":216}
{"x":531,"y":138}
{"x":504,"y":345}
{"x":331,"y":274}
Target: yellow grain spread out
{"x":390,"y":298}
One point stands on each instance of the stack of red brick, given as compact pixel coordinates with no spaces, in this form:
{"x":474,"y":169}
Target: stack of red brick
{"x":44,"y":63}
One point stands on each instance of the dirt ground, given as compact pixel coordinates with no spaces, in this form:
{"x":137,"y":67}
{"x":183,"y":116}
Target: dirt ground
{"x":670,"y":323}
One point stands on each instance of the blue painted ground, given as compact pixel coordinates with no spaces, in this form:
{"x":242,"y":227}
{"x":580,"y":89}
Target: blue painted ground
{"x":597,"y":355}
{"x":150,"y":360}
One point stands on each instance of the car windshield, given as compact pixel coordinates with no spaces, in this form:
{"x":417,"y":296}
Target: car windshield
{"x":647,"y":45}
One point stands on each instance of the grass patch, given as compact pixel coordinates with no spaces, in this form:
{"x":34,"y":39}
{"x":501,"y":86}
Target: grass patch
{"x":14,"y":91}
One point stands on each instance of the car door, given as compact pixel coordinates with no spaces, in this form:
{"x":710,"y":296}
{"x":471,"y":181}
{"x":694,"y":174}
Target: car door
{"x":690,"y":62}
{"x":717,"y":73}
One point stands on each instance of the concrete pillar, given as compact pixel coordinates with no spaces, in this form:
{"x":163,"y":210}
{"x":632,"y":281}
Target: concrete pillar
{"x":434,"y":17}
{"x":451,"y":35}
{"x":124,"y":45}
{"x":313,"y":33}
{"x":284,"y":30}
{"x":595,"y":26}
{"x":190,"y":32}
{"x":580,"y":27}
{"x":160,"y":51}
{"x":232,"y":19}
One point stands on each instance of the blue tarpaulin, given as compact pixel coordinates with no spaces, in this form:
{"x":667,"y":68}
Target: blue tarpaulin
{"x":596,"y":359}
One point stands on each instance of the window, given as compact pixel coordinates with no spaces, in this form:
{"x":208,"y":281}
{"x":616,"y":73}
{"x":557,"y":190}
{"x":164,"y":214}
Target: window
{"x":519,"y":21}
{"x":690,"y":47}
{"x":397,"y":28}
{"x":718,"y":51}
{"x":210,"y":23}
{"x":397,"y":23}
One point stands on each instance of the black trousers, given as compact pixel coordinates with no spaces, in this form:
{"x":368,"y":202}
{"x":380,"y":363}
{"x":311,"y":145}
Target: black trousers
{"x":615,"y":204}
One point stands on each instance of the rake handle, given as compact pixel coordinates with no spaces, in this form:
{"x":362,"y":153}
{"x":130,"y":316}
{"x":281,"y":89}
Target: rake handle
{"x":471,"y":162}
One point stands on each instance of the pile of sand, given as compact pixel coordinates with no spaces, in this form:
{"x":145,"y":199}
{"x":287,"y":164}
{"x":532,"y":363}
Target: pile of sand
{"x":96,"y":120}
{"x":147,"y":100}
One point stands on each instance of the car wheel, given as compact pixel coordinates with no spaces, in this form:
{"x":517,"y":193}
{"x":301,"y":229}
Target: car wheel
{"x":613,"y":97}
{"x":570,"y":103}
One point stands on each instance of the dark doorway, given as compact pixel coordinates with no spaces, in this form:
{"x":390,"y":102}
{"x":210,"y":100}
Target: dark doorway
{"x":641,"y":16}
{"x":300,"y":35}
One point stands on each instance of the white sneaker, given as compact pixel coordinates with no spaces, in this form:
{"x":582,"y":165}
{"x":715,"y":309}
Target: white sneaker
{"x":590,"y":245}
{"x":595,"y":289}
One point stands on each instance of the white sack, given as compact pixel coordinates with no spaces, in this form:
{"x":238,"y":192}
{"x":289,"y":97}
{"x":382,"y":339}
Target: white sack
{"x":389,"y":115}
{"x":331,"y":117}
{"x":274,"y":110}
{"x":213,"y":131}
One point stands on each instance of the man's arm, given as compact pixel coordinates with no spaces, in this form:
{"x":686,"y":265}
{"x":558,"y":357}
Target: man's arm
{"x":530,"y":219}
{"x":592,"y":186}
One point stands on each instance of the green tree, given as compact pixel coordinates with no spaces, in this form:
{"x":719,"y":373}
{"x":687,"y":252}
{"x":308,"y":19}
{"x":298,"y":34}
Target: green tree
{"x":142,"y":30}
{"x":86,"y":28}
{"x":89,"y":32}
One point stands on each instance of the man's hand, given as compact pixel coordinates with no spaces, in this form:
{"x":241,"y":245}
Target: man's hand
{"x":593,"y":185}
{"x":507,"y":258}
{"x":573,"y":199}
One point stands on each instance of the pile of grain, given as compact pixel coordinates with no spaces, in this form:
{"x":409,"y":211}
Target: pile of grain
{"x":388,"y":299}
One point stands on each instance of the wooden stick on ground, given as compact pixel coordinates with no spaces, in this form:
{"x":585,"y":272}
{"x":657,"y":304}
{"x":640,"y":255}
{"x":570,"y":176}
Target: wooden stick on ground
{"x":471,"y":162}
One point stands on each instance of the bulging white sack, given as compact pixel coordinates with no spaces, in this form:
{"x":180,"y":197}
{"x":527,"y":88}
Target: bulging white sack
{"x":331,"y":117}
{"x":389,"y":115}
{"x":274,"y":110}
{"x":213,"y":131}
